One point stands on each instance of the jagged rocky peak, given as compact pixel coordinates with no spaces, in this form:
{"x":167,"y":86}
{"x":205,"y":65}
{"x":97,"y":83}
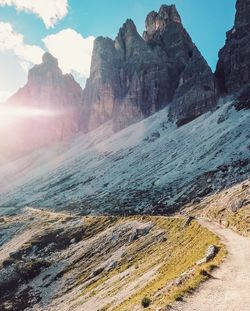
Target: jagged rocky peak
{"x":49,"y":59}
{"x":58,"y":94}
{"x":165,"y":30}
{"x":133,"y":76}
{"x":242,"y":13}
{"x":170,"y":13}
{"x":48,"y":69}
{"x":128,"y":40}
{"x":196,"y":90}
{"x":103,"y":52}
{"x":233,"y":68}
{"x":48,"y":86}
{"x":102,"y":85}
{"x":159,"y":21}
{"x":128,"y":28}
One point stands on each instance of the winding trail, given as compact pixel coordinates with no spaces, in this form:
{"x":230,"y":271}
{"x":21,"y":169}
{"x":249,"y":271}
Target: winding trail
{"x":229,"y":287}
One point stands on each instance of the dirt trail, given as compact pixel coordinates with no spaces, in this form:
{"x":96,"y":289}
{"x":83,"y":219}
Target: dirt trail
{"x":229,"y":288}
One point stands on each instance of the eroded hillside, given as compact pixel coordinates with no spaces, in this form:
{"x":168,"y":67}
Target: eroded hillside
{"x":150,"y":167}
{"x":230,"y":208}
{"x":55,"y":261}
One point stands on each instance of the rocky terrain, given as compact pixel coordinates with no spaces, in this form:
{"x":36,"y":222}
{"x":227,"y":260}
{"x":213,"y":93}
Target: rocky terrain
{"x":150,"y":167}
{"x":60,"y":262}
{"x":195,"y":146}
{"x":154,"y":134}
{"x":230,"y":208}
{"x":133,"y":77}
{"x":47,"y":90}
{"x":233,"y":69}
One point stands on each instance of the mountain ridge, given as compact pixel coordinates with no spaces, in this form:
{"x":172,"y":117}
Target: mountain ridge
{"x":131,"y":78}
{"x":154,"y":71}
{"x":150,"y":167}
{"x":134,"y":76}
{"x":105,"y":209}
{"x":48,"y":90}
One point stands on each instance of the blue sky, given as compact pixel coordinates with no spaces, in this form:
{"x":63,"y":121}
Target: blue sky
{"x":206,"y":22}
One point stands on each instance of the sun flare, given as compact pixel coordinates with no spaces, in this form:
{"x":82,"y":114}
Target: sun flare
{"x":12,"y":114}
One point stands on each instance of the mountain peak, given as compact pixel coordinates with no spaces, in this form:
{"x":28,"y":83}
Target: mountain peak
{"x":134,"y":77}
{"x":159,"y":21}
{"x":49,"y":65}
{"x":127,"y":31}
{"x":233,"y":67}
{"x":169,"y":13}
{"x":129,"y":25}
{"x":128,"y":39}
{"x":242,"y":12}
{"x":49,"y":59}
{"x":48,"y":89}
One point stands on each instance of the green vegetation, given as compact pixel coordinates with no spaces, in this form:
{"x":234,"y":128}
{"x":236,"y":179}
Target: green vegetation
{"x":117,"y":263}
{"x":238,"y":221}
{"x":156,"y":261}
{"x":230,"y":208}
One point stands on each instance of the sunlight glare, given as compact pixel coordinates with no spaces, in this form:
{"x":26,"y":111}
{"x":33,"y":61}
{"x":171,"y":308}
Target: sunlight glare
{"x":14,"y":113}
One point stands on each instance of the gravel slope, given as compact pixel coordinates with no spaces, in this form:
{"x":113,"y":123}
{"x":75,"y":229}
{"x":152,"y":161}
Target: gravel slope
{"x":149,"y":162}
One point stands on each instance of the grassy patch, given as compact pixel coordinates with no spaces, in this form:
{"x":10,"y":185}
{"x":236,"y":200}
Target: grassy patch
{"x":221,"y":207}
{"x":115,"y":267}
{"x":170,"y":257}
{"x":238,"y":221}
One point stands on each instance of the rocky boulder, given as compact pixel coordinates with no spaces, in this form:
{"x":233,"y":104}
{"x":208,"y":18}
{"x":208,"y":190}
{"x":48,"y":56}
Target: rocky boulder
{"x":210,"y":254}
{"x":188,"y":221}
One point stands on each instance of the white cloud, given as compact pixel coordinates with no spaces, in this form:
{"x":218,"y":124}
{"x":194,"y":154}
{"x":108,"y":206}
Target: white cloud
{"x":14,"y":42}
{"x":72,"y":50}
{"x":50,"y":11}
{"x":4,"y":95}
{"x":25,"y":55}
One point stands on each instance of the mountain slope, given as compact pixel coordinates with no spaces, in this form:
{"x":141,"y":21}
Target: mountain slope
{"x":53,"y":261}
{"x":230,"y":208}
{"x":151,"y":166}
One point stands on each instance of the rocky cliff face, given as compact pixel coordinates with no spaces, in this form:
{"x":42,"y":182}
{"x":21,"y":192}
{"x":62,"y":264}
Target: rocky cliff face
{"x":103,"y":84}
{"x":47,"y":88}
{"x":142,"y":79}
{"x":58,"y":95}
{"x":233,"y":69}
{"x":195,"y":91}
{"x":123,"y":84}
{"x":132,"y":77}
